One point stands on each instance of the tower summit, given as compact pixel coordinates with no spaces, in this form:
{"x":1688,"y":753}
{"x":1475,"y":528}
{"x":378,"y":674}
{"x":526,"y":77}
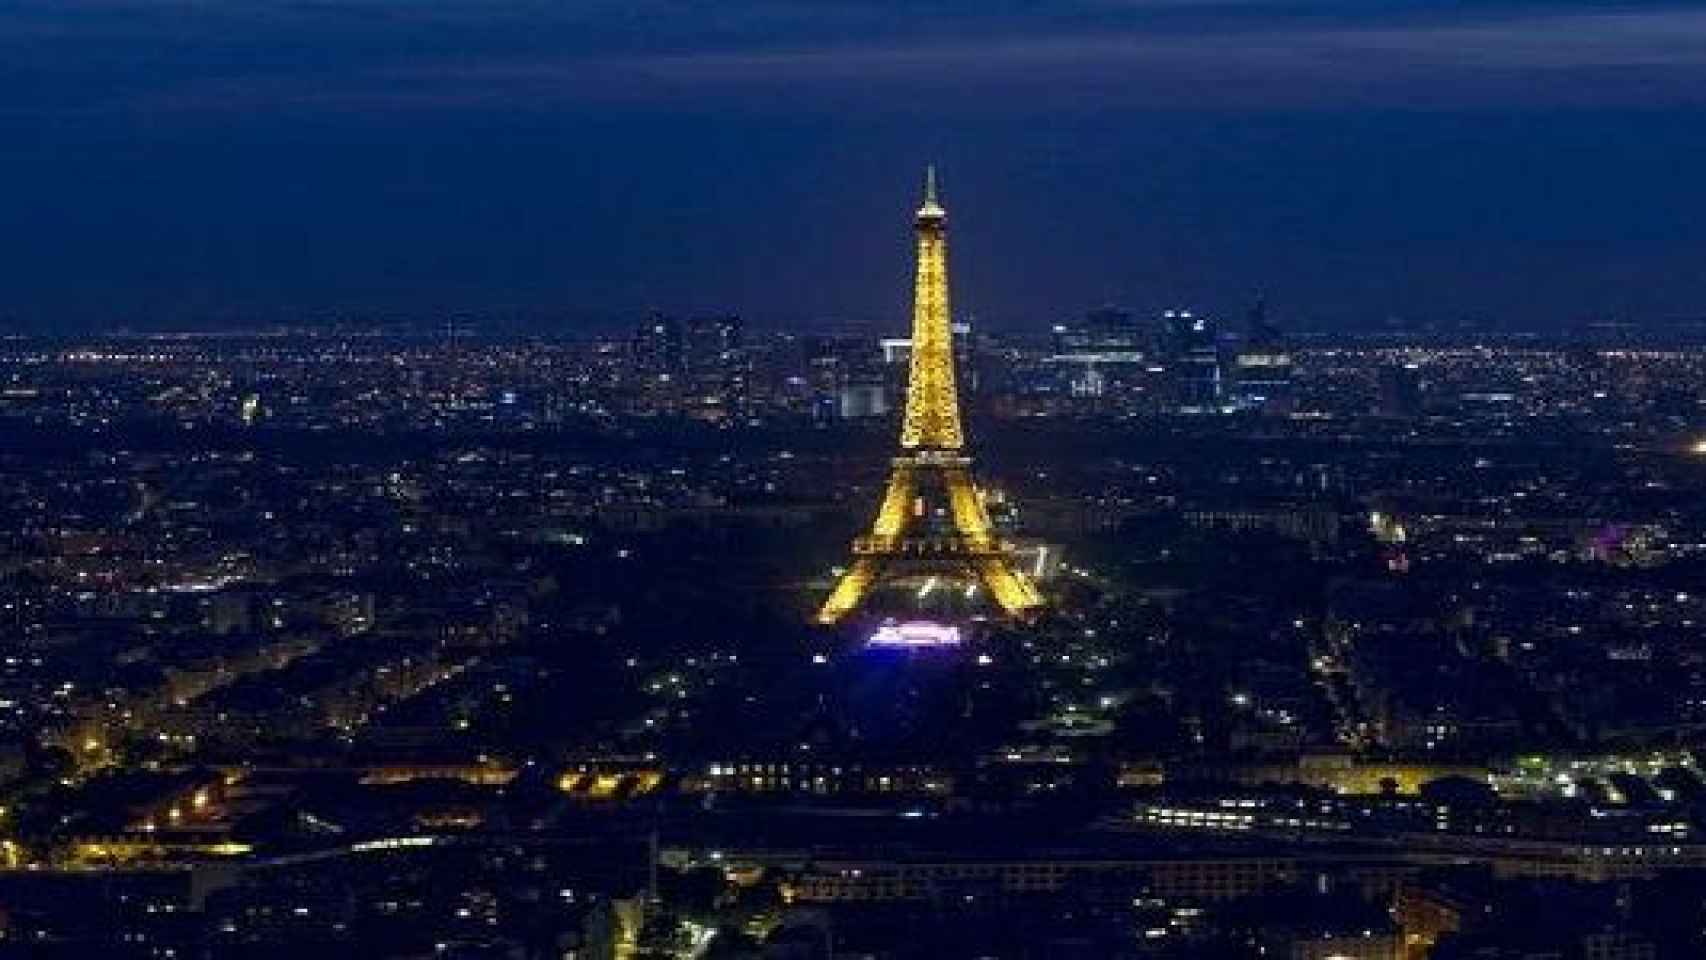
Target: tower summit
{"x":932,"y":523}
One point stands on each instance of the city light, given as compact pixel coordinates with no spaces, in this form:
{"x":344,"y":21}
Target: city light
{"x":914,"y":635}
{"x":1359,"y":635}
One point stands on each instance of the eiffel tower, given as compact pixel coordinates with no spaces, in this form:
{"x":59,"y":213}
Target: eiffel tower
{"x":932,"y":522}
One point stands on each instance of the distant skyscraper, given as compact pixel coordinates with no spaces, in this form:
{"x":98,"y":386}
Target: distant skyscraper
{"x":659,"y":346}
{"x":696,"y":365}
{"x":1099,"y":350}
{"x":1105,"y":330}
{"x":833,"y":362}
{"x":1193,"y":362}
{"x":711,"y":345}
{"x":715,"y":365}
{"x":858,"y":401}
{"x":1262,"y":370}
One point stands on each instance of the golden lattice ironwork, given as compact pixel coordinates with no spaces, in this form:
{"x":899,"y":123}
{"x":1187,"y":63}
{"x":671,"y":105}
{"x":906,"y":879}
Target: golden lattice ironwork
{"x":932,"y":419}
{"x":932,"y":460}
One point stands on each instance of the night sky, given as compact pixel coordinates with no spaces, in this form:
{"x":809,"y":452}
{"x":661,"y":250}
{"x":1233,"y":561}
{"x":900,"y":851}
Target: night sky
{"x":176,"y":163}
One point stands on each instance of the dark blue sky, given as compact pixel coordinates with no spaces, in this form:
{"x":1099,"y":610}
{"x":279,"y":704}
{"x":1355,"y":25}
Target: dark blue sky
{"x":184,"y":162}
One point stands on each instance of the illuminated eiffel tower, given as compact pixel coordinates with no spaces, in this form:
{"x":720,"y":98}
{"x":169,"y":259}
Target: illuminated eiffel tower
{"x":932,"y":522}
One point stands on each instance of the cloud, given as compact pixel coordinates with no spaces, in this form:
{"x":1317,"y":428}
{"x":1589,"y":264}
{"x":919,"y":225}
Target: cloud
{"x":1544,"y":46}
{"x":176,"y":57}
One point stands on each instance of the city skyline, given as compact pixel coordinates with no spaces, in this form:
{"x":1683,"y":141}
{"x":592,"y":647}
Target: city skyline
{"x":528,"y":480}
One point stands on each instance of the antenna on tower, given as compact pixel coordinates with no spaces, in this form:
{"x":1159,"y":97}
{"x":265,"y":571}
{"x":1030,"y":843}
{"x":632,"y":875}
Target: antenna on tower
{"x":930,"y":185}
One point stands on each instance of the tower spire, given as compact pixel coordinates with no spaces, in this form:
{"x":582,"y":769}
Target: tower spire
{"x":932,"y":206}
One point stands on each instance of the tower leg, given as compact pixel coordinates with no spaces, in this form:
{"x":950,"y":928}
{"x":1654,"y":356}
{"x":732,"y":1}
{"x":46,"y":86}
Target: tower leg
{"x":970,"y":519}
{"x":1012,"y":590}
{"x":849,"y":590}
{"x":893,"y":518}
{"x":896,"y":511}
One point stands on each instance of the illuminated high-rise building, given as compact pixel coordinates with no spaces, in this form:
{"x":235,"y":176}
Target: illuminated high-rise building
{"x":658,"y":347}
{"x":715,"y":366}
{"x":710,"y":346}
{"x":1104,"y":350}
{"x":1193,"y":346}
{"x":932,"y":526}
{"x":1262,"y":370}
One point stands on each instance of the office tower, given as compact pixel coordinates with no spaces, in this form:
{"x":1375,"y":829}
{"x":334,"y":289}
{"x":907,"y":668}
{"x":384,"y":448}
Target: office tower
{"x":1262,"y":370}
{"x":1193,"y":346}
